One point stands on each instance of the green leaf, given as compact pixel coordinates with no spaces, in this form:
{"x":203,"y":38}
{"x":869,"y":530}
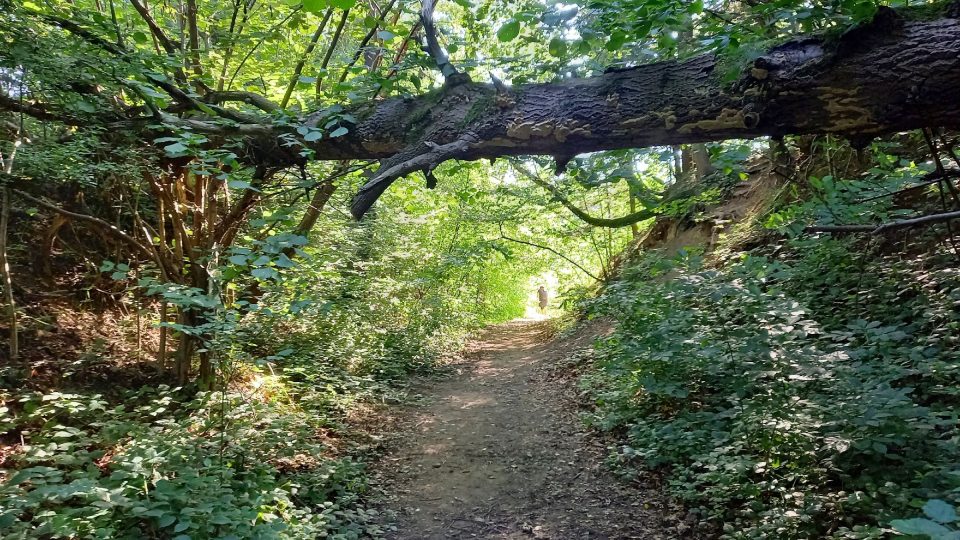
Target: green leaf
{"x":339,"y":132}
{"x":206,"y":109}
{"x":314,"y":6}
{"x":175,"y":149}
{"x":313,"y":136}
{"x":264,"y":273}
{"x":85,"y":106}
{"x":509,"y":31}
{"x":940,"y":511}
{"x":240,"y":184}
{"x":386,"y":35}
{"x":863,"y":11}
{"x":237,"y":259}
{"x":919,"y":526}
{"x":617,"y":39}
{"x":284,"y":262}
{"x":557,"y":47}
{"x":343,"y":4}
{"x":140,"y":37}
{"x":167,"y":520}
{"x":8,"y":518}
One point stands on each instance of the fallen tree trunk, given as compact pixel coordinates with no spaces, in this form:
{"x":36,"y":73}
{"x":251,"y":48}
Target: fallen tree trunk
{"x":886,"y":76}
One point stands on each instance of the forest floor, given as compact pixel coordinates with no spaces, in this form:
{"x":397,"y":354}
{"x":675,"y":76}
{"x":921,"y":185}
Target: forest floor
{"x":497,"y":451}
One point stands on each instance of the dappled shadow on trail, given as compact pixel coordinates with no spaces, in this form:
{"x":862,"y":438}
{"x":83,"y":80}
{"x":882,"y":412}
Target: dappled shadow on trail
{"x":499,"y":453}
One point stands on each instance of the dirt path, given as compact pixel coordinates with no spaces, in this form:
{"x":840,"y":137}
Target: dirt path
{"x":498,"y":453}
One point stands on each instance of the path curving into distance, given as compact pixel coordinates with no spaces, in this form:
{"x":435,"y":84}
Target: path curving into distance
{"x":498,"y":452}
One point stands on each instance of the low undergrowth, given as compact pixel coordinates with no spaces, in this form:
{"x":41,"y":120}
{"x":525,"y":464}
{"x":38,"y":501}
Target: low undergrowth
{"x":274,"y":456}
{"x":161,"y":465}
{"x":814,"y":395}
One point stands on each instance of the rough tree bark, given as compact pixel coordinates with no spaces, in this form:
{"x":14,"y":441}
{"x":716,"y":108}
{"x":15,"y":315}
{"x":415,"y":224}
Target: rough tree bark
{"x":887,"y":76}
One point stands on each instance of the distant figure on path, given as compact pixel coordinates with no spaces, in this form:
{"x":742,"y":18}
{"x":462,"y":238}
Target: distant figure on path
{"x":543,"y":298}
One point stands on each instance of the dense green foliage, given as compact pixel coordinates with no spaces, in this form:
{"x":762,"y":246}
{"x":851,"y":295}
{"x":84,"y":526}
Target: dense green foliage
{"x":165,"y":464}
{"x":341,"y":326}
{"x":804,"y":389}
{"x":807,"y":388}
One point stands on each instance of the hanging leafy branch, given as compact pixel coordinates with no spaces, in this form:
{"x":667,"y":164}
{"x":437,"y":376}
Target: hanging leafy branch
{"x":551,"y":250}
{"x":623,"y":221}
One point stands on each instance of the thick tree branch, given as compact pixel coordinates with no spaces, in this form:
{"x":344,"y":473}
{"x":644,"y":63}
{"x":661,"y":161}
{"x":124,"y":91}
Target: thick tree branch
{"x":882,"y":228}
{"x":250,"y":98}
{"x":624,"y":221}
{"x":99,"y":223}
{"x":551,"y":250}
{"x":416,"y":158}
{"x":798,"y":88}
{"x":877,"y":79}
{"x":170,"y":46}
{"x":434,"y":49}
{"x":298,"y":69}
{"x":40,"y":111}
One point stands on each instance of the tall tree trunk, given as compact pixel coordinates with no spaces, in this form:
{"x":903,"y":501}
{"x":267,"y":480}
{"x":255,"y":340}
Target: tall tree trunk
{"x":10,"y":305}
{"x":701,"y":159}
{"x":634,"y":228}
{"x":185,"y":349}
{"x":677,"y":162}
{"x":320,"y":198}
{"x":5,"y":276}
{"x":162,"y":347}
{"x":686,"y":160}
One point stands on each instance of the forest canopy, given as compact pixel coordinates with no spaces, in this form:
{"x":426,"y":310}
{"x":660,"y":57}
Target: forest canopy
{"x":688,"y":75}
